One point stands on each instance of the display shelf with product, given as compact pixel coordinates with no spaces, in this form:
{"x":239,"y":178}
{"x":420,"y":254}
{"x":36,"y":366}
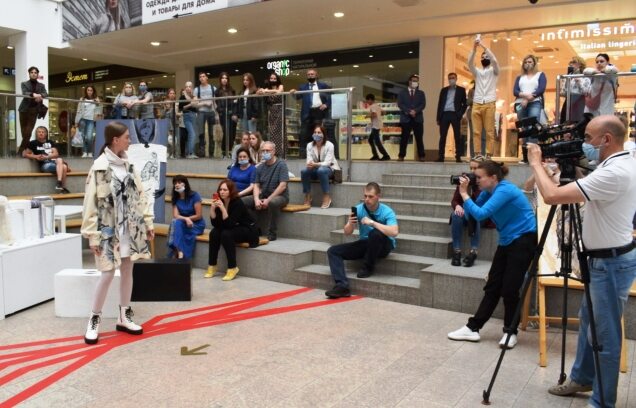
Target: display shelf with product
{"x":292,"y":131}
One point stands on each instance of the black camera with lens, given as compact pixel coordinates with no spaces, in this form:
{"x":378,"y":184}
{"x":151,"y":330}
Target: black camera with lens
{"x":563,"y":141}
{"x":471,"y":177}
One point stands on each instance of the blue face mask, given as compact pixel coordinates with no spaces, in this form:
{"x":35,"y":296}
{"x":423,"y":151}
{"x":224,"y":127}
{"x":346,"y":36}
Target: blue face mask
{"x":243,"y":162}
{"x":143,"y":88}
{"x":317,"y":137}
{"x":267,"y":156}
{"x":591,"y":151}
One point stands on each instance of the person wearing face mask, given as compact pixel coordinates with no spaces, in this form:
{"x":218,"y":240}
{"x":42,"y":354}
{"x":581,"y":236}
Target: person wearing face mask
{"x":609,"y":193}
{"x":579,"y":87}
{"x":601,"y":97}
{"x":242,"y":172}
{"x":321,"y":163}
{"x":270,"y":188}
{"x":450,"y":109}
{"x":275,"y":123}
{"x":483,"y":108}
{"x":314,"y":109}
{"x":187,"y":222}
{"x":529,"y":88}
{"x":411,"y":102}
{"x":231,"y":224}
{"x":144,"y":100}
{"x":125,"y":101}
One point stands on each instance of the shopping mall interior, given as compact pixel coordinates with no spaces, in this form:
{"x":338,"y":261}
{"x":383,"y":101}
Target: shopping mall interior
{"x":269,"y":336}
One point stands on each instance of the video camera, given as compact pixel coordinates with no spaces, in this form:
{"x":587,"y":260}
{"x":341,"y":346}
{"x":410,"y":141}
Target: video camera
{"x":471,"y":176}
{"x":563,"y":141}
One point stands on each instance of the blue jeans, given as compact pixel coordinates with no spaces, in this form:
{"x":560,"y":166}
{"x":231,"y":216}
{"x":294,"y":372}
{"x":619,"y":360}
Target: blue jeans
{"x":369,"y":250}
{"x":457,"y":228}
{"x":532,"y":109}
{"x":321,"y":173}
{"x":610,"y":281}
{"x":248,"y":125}
{"x":86,"y":128}
{"x":188,"y":121}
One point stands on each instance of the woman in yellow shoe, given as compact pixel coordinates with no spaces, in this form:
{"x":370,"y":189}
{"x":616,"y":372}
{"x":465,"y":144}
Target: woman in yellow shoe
{"x":231,"y":224}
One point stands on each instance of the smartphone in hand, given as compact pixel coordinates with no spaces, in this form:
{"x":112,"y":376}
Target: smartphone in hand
{"x":354,"y":212}
{"x":216,"y":196}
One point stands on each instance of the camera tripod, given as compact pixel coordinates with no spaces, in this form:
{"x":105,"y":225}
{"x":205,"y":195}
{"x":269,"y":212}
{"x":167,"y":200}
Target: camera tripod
{"x":569,"y":238}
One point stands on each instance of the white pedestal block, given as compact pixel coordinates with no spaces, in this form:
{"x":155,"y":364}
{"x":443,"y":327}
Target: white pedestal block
{"x":28,"y":268}
{"x":75,"y":289}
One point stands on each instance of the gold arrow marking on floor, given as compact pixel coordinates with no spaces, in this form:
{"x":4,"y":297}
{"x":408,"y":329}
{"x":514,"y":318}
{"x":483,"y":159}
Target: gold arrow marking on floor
{"x":193,"y":352}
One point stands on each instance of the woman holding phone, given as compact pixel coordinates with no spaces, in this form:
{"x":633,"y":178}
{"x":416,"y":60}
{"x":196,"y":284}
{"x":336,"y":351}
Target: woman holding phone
{"x":187,"y":219}
{"x":231,"y":224}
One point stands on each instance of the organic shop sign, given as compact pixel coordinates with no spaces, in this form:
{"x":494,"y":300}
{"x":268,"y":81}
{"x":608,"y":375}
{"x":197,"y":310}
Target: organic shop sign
{"x":281,"y":67}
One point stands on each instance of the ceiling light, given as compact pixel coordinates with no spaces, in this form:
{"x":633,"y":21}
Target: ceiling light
{"x":165,"y":76}
{"x":535,"y":41}
{"x":114,"y":86}
{"x":155,"y":43}
{"x":508,"y":37}
{"x":391,"y":66}
{"x":460,"y":40}
{"x":107,"y":87}
{"x":232,"y":30}
{"x":410,"y":52}
{"x":513,"y":57}
{"x":9,"y":47}
{"x":338,"y":14}
{"x":356,"y":66}
{"x":519,"y":35}
{"x":550,"y":56}
{"x":370,"y":55}
{"x":84,"y":59}
{"x":339,"y":70}
{"x":494,"y":38}
{"x":236,"y":70}
{"x":335,"y":59}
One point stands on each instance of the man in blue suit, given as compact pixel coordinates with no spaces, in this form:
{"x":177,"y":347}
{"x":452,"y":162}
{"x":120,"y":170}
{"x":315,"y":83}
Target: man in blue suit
{"x":412,"y":102}
{"x":450,"y":109}
{"x":315,"y":108}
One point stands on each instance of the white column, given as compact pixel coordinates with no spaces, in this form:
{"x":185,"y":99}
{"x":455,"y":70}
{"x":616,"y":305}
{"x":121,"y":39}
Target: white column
{"x":30,"y":50}
{"x":431,"y":81}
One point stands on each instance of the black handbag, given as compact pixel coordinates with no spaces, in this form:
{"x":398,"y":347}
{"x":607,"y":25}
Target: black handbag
{"x":337,"y":176}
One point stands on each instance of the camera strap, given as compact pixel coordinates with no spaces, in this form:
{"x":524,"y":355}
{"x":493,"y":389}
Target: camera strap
{"x":369,"y":212}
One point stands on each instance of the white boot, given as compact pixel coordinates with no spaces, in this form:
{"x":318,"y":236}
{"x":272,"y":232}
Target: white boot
{"x":125,"y":323}
{"x":92,"y":329}
{"x":84,"y":155}
{"x":89,"y":155}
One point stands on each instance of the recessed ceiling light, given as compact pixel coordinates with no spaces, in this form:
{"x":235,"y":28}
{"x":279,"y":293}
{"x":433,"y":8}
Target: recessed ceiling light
{"x":232,"y":30}
{"x":340,"y":70}
{"x":410,"y":52}
{"x":155,"y":43}
{"x":84,"y":59}
{"x":513,"y":57}
{"x":114,"y":86}
{"x":107,"y":87}
{"x":370,"y":55}
{"x":236,"y":70}
{"x":338,"y":14}
{"x":9,"y":47}
{"x":535,"y":41}
{"x":165,"y":76}
{"x":540,"y":45}
{"x":356,"y":66}
{"x":335,"y":59}
{"x":391,"y":66}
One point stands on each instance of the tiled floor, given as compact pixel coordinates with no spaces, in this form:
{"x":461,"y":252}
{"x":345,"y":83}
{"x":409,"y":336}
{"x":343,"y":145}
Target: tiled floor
{"x":360,"y":353}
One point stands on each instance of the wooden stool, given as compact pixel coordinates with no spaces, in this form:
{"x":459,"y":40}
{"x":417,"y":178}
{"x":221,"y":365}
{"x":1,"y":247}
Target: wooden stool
{"x":554,"y":282}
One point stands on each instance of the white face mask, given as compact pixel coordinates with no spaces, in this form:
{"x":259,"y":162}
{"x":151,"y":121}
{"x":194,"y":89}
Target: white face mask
{"x":414,"y":84}
{"x":179,"y":189}
{"x":452,"y":82}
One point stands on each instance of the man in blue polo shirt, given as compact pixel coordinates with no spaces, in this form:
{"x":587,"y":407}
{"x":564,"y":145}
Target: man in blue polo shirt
{"x":610,"y":196}
{"x":378,"y":228}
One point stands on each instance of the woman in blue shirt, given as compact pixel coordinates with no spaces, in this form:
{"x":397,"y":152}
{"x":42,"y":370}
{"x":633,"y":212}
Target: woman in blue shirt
{"x":242,"y":172}
{"x":187,"y":221}
{"x":514,"y":218}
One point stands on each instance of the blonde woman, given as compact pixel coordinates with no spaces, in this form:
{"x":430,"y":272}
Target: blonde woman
{"x":529,"y":88}
{"x":125,"y":101}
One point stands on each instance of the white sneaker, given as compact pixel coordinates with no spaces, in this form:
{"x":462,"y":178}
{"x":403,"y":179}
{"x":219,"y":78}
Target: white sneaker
{"x":464,"y":334}
{"x":511,"y":343}
{"x":90,"y":155}
{"x":84,"y":155}
{"x":92,"y":329}
{"x":192,"y":156}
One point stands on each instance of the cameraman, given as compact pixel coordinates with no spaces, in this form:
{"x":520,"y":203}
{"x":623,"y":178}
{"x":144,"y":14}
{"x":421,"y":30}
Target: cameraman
{"x":610,"y":193}
{"x":458,"y":221}
{"x":514,"y":218}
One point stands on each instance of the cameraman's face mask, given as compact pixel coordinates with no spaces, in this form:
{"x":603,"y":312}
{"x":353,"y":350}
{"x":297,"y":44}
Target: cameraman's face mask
{"x":591,"y":152}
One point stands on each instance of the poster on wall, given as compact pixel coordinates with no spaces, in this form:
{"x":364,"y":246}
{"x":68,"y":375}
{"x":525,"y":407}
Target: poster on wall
{"x":83,"y":18}
{"x":148,"y":153}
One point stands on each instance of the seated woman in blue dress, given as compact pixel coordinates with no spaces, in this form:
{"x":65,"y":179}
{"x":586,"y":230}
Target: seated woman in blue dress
{"x":242,"y":172}
{"x":187,"y":221}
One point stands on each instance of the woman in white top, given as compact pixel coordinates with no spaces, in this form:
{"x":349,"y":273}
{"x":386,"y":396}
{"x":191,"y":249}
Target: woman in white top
{"x":602,"y":95}
{"x":87,"y":113}
{"x":529,"y":88}
{"x":321,"y":163}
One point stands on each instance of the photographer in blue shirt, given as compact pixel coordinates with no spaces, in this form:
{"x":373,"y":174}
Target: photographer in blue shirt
{"x":508,"y":207}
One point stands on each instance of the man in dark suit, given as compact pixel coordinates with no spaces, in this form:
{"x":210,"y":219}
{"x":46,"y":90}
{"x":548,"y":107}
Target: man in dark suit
{"x":450,"y":109}
{"x":30,"y":107}
{"x":412,"y":102}
{"x":315,"y":108}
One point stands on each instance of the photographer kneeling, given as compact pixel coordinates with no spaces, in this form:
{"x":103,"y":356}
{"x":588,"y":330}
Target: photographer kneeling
{"x":514,"y":218}
{"x":610,"y":193}
{"x":458,"y":220}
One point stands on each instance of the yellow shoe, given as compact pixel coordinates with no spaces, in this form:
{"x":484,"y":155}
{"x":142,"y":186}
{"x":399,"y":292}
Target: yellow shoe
{"x":231,"y":274}
{"x":211,"y":271}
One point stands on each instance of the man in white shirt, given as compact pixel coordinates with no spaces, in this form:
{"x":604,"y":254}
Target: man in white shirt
{"x":483,"y":110}
{"x":610,"y":196}
{"x":203,"y":94}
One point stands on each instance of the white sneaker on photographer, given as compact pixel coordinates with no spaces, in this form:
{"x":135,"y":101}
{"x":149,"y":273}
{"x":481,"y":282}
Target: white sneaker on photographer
{"x":464,"y":334}
{"x":511,"y":343}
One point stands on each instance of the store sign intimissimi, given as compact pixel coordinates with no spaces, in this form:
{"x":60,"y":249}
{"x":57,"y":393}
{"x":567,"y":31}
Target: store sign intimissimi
{"x":591,"y":31}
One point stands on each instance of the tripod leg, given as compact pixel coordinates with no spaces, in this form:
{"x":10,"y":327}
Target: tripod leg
{"x":565,"y":240}
{"x":530,"y":275}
